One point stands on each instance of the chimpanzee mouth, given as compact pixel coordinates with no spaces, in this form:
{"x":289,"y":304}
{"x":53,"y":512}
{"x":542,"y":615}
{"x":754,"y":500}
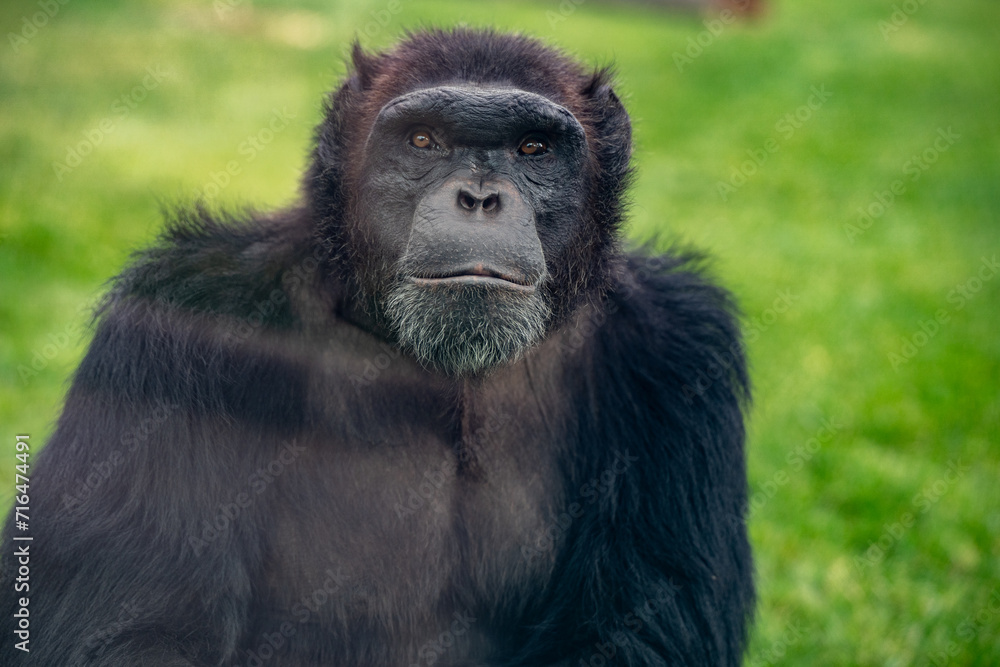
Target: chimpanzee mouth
{"x":478,"y":274}
{"x":466,"y":323}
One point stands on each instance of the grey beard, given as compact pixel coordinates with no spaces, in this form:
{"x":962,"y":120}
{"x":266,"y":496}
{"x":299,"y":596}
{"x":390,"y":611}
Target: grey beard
{"x":465,"y":329}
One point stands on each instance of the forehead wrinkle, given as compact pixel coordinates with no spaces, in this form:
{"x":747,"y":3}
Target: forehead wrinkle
{"x":476,"y":109}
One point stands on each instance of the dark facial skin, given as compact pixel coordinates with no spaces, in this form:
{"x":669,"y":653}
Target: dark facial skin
{"x":462,"y":186}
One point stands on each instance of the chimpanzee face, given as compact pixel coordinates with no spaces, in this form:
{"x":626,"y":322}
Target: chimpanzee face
{"x":466,"y":191}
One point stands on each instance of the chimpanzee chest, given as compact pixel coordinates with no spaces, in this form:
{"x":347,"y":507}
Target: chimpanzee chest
{"x":402,"y":533}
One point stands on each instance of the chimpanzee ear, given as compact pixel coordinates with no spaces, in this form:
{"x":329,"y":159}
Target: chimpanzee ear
{"x":340,"y":107}
{"x":364,"y":68}
{"x":326,"y":171}
{"x":610,"y":120}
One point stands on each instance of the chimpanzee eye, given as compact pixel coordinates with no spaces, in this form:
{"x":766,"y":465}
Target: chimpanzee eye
{"x":422,"y":139}
{"x":533,"y":145}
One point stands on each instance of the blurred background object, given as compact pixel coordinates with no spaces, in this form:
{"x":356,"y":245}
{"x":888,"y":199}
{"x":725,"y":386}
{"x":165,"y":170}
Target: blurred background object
{"x":737,"y":7}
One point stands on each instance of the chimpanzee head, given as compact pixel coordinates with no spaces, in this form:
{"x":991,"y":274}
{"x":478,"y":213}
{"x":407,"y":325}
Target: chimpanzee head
{"x":469,"y":187}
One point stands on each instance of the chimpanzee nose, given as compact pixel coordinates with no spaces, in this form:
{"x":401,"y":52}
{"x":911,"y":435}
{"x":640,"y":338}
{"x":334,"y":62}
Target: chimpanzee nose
{"x":487,"y":198}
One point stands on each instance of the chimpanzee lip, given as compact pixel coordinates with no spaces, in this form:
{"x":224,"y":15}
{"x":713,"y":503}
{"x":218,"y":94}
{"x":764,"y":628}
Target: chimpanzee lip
{"x":472,"y":280}
{"x":478,"y":274}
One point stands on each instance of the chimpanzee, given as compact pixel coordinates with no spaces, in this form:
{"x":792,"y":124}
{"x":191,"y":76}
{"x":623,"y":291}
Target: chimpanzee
{"x":433,"y":414}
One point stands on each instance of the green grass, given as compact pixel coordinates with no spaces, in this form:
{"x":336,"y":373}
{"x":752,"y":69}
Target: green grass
{"x":879,"y":474}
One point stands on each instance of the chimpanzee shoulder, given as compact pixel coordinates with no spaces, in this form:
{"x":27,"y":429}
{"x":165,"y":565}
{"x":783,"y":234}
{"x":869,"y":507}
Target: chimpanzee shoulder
{"x":212,"y":300}
{"x":216,"y":263}
{"x":663,"y":386}
{"x":690,"y":324}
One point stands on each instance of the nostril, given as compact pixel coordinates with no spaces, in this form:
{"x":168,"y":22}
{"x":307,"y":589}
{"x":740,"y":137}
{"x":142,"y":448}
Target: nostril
{"x":491,"y":203}
{"x":466,"y":201}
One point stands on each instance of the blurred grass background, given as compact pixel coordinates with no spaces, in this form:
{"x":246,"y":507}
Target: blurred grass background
{"x":874,"y":342}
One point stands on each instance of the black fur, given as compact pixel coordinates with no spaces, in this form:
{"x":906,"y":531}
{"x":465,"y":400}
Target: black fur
{"x":583,"y":504}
